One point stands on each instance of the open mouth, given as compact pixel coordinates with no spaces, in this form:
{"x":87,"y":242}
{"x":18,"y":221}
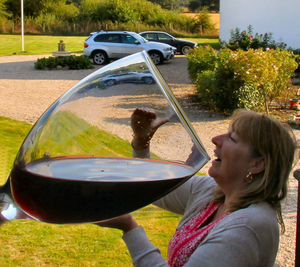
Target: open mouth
{"x":217,"y":158}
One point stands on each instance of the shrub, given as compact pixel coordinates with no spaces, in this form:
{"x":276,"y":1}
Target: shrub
{"x":6,"y":26}
{"x":297,"y":53}
{"x":246,"y":40}
{"x":269,"y":72}
{"x":69,"y":62}
{"x":251,"y":79}
{"x":201,"y":59}
{"x":65,"y":18}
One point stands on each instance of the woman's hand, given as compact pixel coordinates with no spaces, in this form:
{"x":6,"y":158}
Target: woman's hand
{"x":144,"y":124}
{"x":125,"y":223}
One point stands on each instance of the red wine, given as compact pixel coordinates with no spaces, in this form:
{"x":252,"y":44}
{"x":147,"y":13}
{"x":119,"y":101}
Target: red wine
{"x":84,"y":189}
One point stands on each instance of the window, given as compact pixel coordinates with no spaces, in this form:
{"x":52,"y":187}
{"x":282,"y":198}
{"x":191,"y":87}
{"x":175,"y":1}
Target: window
{"x":150,"y":36}
{"x":101,"y":38}
{"x":111,"y":38}
{"x":162,"y":36}
{"x":128,"y":39}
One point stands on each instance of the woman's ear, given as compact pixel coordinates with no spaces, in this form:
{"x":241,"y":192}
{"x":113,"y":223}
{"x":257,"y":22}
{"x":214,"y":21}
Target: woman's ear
{"x":258,"y":165}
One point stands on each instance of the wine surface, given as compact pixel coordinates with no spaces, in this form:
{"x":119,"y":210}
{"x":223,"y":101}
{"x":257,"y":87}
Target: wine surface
{"x":79,"y":190}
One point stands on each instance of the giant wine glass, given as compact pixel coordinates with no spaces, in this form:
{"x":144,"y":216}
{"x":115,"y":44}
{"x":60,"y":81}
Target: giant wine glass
{"x":76,"y":164}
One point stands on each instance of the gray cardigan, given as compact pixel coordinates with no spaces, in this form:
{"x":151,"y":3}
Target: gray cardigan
{"x":247,"y":237}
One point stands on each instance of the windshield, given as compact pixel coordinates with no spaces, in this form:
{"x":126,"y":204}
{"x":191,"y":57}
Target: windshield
{"x":139,"y":37}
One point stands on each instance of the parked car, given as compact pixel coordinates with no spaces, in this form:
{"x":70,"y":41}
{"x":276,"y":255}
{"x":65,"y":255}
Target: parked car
{"x":182,"y":46}
{"x":105,"y":45}
{"x":128,"y":77}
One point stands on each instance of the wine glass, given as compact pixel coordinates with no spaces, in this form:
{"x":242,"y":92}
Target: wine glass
{"x":77,"y":165}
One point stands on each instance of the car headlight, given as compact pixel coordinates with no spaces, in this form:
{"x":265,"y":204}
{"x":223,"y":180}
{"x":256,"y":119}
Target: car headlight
{"x":167,"y":49}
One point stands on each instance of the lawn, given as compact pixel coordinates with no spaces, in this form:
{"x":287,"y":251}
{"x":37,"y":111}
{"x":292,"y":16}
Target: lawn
{"x":31,"y":243}
{"x":43,"y":45}
{"x":38,"y":44}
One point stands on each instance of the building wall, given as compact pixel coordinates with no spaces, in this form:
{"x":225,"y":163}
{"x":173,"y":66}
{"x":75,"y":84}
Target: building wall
{"x":280,"y":17}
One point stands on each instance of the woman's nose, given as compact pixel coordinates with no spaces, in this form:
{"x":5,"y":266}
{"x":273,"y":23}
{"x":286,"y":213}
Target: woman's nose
{"x":218,"y":139}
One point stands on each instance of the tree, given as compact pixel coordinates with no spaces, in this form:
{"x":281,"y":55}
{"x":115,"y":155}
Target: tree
{"x":3,"y":10}
{"x":194,"y":5}
{"x":32,"y":8}
{"x":212,"y":5}
{"x":168,"y":4}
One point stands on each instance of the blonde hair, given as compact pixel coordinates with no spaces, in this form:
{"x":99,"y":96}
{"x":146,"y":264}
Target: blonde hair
{"x":275,"y":142}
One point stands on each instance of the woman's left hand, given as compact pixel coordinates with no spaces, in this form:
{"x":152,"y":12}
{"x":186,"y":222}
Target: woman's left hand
{"x":125,"y":223}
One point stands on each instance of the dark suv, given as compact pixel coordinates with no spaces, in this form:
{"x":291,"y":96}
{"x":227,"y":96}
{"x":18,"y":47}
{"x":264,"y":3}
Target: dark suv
{"x":182,"y":46}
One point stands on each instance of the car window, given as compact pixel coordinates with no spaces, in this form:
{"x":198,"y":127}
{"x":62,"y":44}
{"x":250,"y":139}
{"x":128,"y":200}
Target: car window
{"x":111,"y":38}
{"x":150,"y":36}
{"x":128,"y":39}
{"x":162,"y":36}
{"x":139,"y":37}
{"x":101,"y":38}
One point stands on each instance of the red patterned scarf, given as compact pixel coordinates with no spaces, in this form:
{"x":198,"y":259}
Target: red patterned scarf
{"x":187,"y":238}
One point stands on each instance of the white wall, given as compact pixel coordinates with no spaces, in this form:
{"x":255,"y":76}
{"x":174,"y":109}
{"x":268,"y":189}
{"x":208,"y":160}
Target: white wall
{"x":280,"y":17}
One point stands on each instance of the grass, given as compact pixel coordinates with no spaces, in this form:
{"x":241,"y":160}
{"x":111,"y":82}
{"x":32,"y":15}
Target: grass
{"x":45,"y":45}
{"x":213,"y":42}
{"x":12,"y":134}
{"x":31,"y":243}
{"x":38,"y":44}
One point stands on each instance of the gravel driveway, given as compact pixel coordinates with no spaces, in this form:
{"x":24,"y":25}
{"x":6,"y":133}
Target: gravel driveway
{"x":25,"y":93}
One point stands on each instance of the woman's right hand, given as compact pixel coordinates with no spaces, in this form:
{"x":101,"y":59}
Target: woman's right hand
{"x":144,"y":124}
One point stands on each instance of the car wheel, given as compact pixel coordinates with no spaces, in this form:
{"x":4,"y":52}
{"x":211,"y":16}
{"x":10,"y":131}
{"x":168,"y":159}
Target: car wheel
{"x":185,"y":49}
{"x":99,"y":57}
{"x":148,"y":80}
{"x":156,"y":57}
{"x":110,"y":82}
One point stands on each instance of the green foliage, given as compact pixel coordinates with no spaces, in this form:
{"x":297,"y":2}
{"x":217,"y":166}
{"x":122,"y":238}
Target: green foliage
{"x":69,"y":62}
{"x":168,"y":4}
{"x":85,"y":16}
{"x":32,"y":8}
{"x":246,"y":39}
{"x":251,"y":79}
{"x":202,"y":59}
{"x":3,"y":10}
{"x":268,"y":72}
{"x":203,"y":21}
{"x":12,"y":134}
{"x":297,"y":53}
{"x":62,"y":11}
{"x":194,"y":5}
{"x":117,"y":11}
{"x":211,"y":5}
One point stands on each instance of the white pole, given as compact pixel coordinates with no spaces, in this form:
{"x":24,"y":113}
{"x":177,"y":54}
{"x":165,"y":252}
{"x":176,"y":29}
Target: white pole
{"x":22,"y":24}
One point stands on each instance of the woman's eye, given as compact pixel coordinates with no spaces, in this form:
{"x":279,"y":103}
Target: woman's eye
{"x":231,"y":138}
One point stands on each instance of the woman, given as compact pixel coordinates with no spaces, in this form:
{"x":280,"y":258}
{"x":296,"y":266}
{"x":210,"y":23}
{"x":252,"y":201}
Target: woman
{"x":230,"y":218}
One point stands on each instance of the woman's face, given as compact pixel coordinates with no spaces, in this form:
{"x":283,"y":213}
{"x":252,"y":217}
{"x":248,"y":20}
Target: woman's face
{"x":233,"y":160}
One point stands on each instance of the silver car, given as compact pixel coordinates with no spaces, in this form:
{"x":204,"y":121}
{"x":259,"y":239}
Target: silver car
{"x":105,"y":45}
{"x":128,"y":77}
